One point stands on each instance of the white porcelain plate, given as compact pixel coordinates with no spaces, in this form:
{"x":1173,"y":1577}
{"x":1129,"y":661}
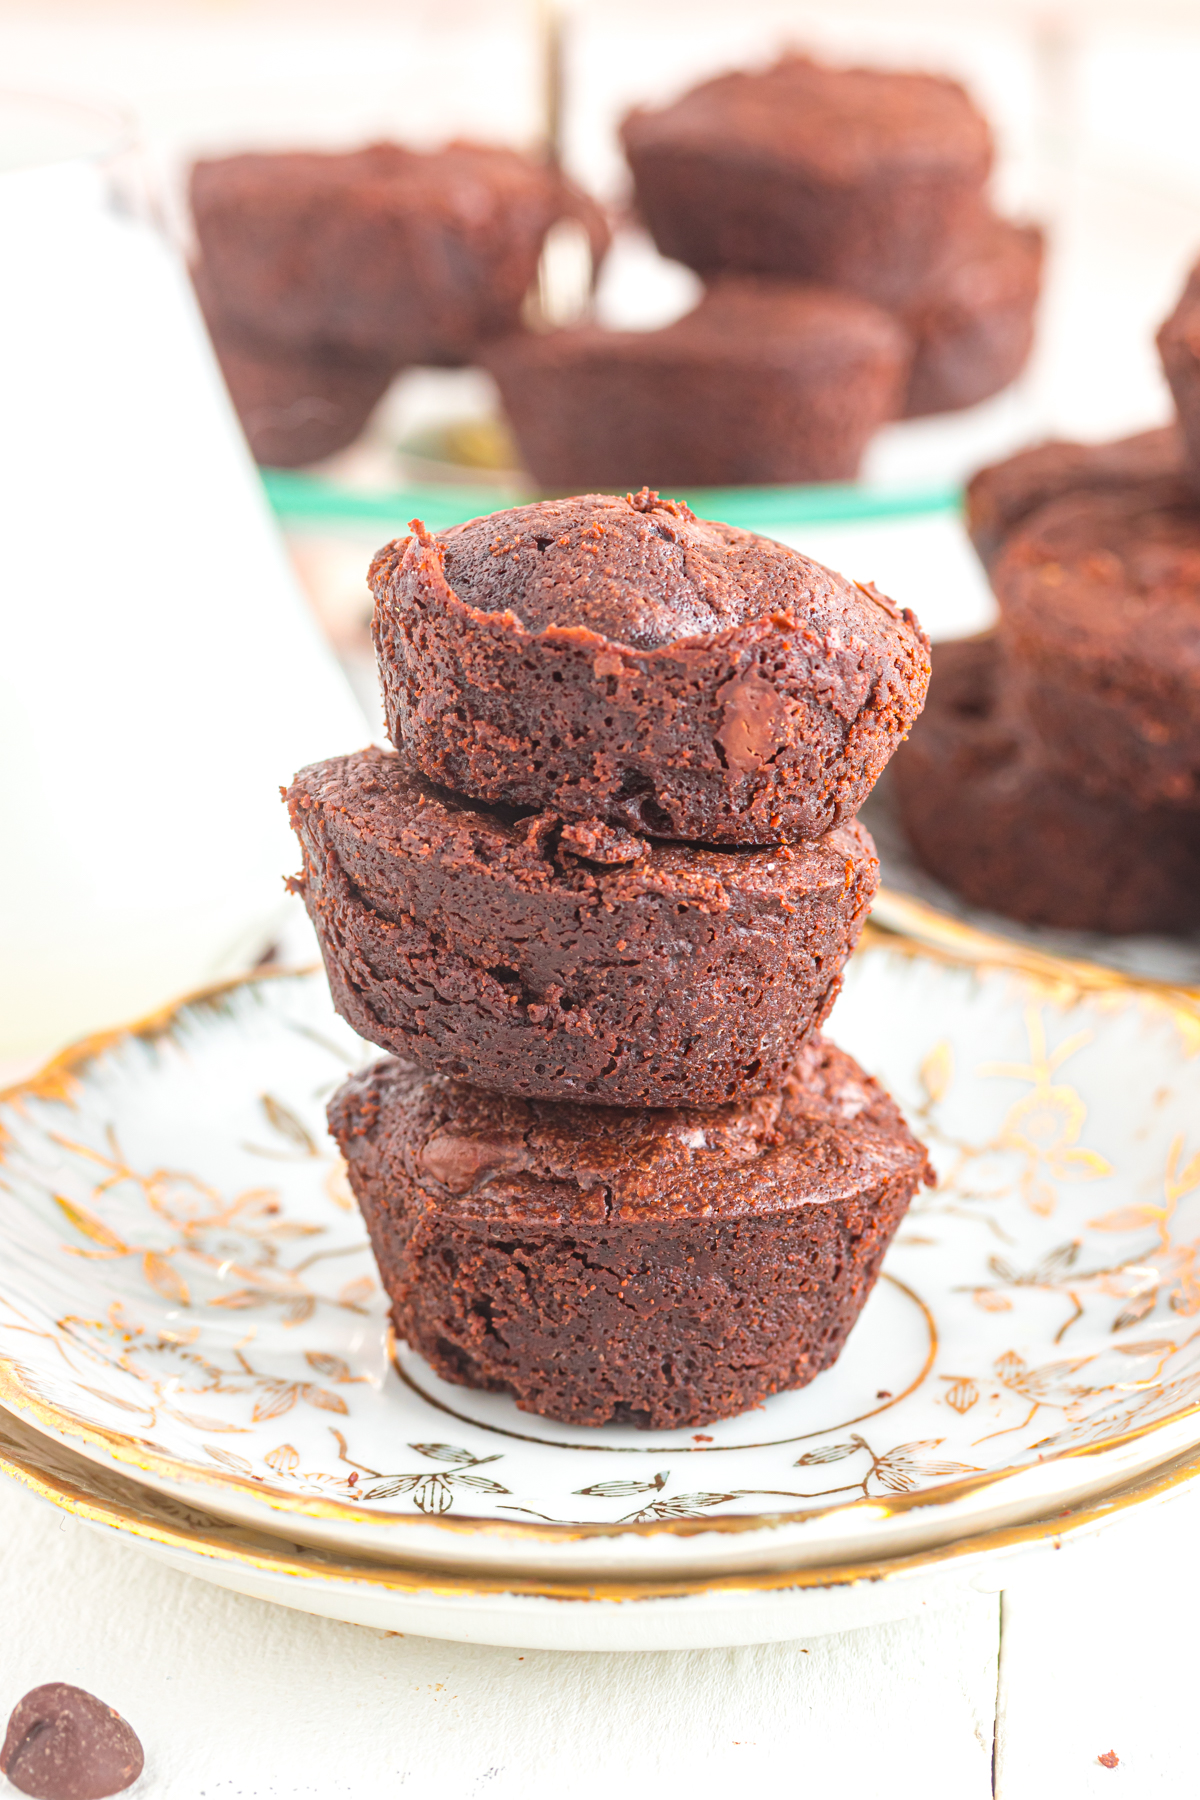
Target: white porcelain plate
{"x":549,"y":1613}
{"x":186,"y":1290}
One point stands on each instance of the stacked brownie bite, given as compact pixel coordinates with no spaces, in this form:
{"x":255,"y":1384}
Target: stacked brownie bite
{"x":322,"y":274}
{"x":597,"y":902}
{"x":1055,"y":775}
{"x":854,"y":270}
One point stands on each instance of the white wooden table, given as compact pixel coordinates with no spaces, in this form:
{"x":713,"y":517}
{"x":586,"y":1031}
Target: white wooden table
{"x":233,"y":1697}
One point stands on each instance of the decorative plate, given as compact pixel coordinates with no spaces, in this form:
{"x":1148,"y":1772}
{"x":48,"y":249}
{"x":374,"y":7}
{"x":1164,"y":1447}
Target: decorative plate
{"x":549,"y":1613}
{"x":186,"y":1290}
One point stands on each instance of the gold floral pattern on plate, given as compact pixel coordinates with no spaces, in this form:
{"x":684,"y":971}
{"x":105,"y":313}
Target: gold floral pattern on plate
{"x":186,"y":1289}
{"x":110,"y":1501}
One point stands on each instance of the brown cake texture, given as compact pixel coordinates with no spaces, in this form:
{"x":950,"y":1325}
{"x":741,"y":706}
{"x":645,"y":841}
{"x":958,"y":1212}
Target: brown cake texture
{"x":622,"y":659}
{"x":1099,"y":598}
{"x":1002,"y":496}
{"x":857,"y":178}
{"x":295,"y":406}
{"x":765,"y":381}
{"x":972,"y":328}
{"x":1179,"y":348}
{"x":601,"y":1265}
{"x":410,"y":256}
{"x":570,"y":961}
{"x":986,"y":813}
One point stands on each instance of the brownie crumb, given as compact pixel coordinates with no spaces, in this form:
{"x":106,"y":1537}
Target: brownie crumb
{"x":1109,"y":1758}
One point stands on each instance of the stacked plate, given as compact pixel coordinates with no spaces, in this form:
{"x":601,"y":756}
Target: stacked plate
{"x":194,"y":1351}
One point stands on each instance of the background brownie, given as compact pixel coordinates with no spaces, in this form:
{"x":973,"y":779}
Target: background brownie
{"x":295,"y":406}
{"x":652,"y":1268}
{"x":764,"y":381}
{"x":973,"y":327}
{"x":570,"y":962}
{"x":852,"y":177}
{"x":1002,"y":496}
{"x":1100,"y":606}
{"x":1179,"y":348}
{"x":986,"y":815}
{"x":624,"y":659}
{"x":388,"y":252}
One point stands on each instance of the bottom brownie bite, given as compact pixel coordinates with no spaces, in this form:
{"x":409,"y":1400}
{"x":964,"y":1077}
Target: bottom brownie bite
{"x":606,"y":1265}
{"x":986,"y":815}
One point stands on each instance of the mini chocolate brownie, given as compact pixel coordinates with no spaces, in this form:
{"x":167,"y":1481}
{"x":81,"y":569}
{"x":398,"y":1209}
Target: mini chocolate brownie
{"x":1002,"y":496}
{"x":853,"y":177}
{"x":295,"y":406}
{"x":620,"y":658}
{"x":1100,"y":614}
{"x":1179,"y":348}
{"x":986,"y":814}
{"x":764,"y":381}
{"x":570,"y":961}
{"x":603,"y":1265}
{"x":973,"y":327}
{"x":412,"y":256}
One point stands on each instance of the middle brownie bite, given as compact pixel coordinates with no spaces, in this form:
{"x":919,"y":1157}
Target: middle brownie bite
{"x":568,"y":960}
{"x":621,"y":658}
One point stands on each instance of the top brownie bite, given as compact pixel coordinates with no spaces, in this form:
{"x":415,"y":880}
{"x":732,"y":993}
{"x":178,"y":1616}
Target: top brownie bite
{"x":620,"y":658}
{"x":854,"y":177}
{"x":415,"y":256}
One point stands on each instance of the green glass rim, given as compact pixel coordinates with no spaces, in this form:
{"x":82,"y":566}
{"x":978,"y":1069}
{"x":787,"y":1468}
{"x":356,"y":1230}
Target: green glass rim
{"x":306,"y":501}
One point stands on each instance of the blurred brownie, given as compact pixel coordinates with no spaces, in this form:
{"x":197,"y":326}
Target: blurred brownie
{"x":1099,"y":600}
{"x":858,"y":178}
{"x":973,"y":328}
{"x":985,"y":813}
{"x":1001,"y":497}
{"x":610,"y":1266}
{"x":412,"y":256}
{"x":1179,"y":348}
{"x":570,"y":961}
{"x":765,"y":381}
{"x":620,"y":658}
{"x":295,"y":406}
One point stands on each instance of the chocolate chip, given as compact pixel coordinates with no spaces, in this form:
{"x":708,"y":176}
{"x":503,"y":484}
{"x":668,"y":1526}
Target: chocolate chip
{"x":64,"y":1744}
{"x":461,"y":1163}
{"x":754,"y":723}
